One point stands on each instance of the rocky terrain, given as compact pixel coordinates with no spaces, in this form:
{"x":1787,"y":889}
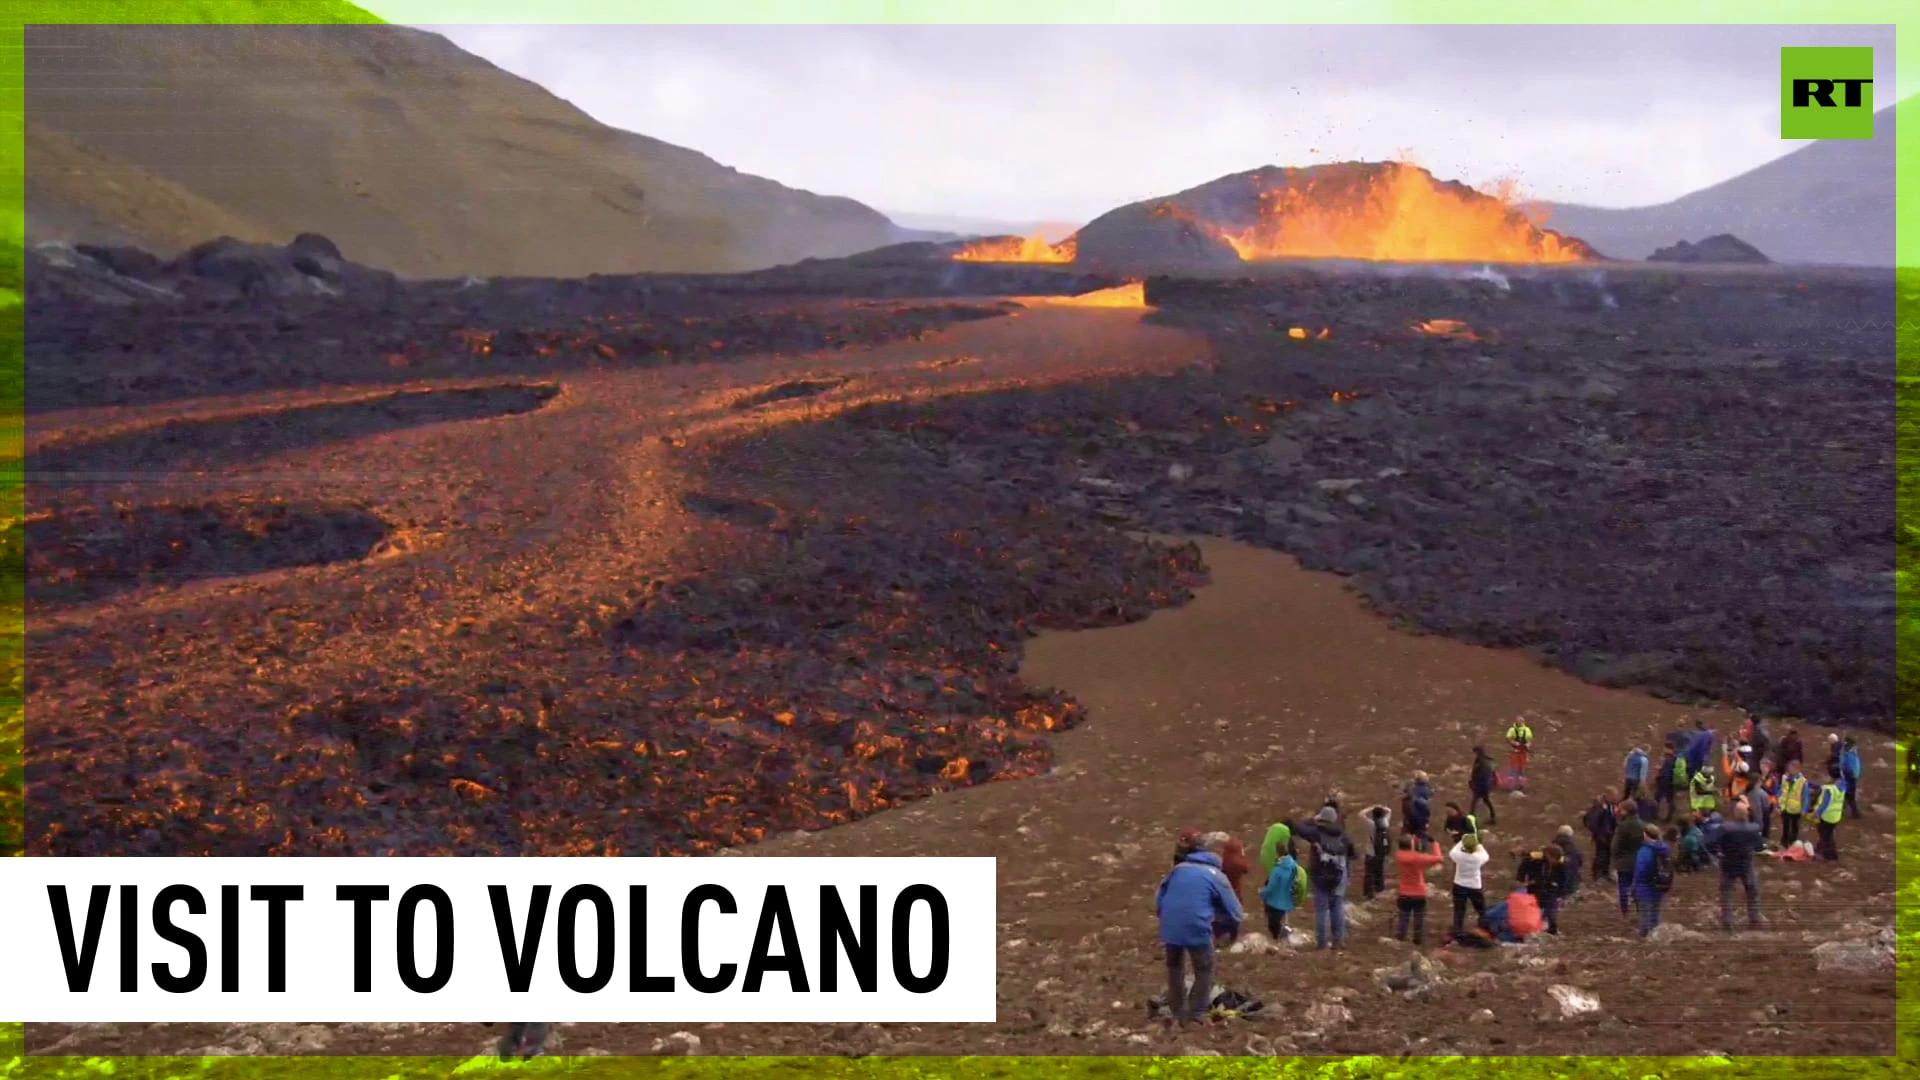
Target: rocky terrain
{"x":1721,"y":248}
{"x":688,"y":608}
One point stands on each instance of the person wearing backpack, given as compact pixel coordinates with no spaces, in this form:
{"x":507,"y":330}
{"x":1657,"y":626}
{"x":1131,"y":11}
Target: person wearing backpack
{"x":1827,"y":813}
{"x":1416,"y":856}
{"x":1279,"y":839}
{"x":1329,"y":862}
{"x":1285,"y":889}
{"x":1652,"y":877}
{"x":1194,"y":903}
{"x":1379,"y":821}
{"x":1634,"y":772}
{"x":1468,"y":857}
{"x":1571,"y":865}
{"x":1626,"y":852}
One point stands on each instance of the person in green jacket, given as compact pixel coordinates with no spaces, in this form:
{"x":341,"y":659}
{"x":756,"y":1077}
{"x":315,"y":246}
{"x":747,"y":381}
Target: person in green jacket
{"x":1628,"y":835}
{"x":1279,"y":841}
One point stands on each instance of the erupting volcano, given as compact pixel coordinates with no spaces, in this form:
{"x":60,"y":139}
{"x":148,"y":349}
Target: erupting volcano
{"x":1017,"y":249}
{"x":1376,"y":211}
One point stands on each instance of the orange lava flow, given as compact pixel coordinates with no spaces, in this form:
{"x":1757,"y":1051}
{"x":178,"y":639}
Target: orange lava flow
{"x":1399,"y":214}
{"x":1022,"y":249}
{"x":1447,"y":328}
{"x":1133,"y":294}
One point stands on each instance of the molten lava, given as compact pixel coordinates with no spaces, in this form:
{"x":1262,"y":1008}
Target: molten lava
{"x":1018,"y":249}
{"x":1133,"y":294}
{"x":1388,"y":212}
{"x":1446,"y":328}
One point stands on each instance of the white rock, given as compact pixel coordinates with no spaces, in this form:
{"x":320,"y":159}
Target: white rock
{"x":1573,"y":1001}
{"x":1179,"y":473}
{"x":1852,"y":958}
{"x":679,"y":1043}
{"x":1255,"y":943}
{"x":1329,"y":1014}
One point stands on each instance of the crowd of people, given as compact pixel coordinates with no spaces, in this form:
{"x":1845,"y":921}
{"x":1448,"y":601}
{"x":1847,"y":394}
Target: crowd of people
{"x":1694,"y":811}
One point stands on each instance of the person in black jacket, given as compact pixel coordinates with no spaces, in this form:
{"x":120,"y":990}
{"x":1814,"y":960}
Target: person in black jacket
{"x":1482,"y":782}
{"x":1379,"y":821}
{"x":1739,"y":840}
{"x":1601,"y":822}
{"x":1571,"y":864}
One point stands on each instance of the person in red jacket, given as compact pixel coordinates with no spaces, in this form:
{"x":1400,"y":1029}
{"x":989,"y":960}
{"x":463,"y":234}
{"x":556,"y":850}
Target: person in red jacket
{"x":1415,"y":857}
{"x":1234,"y":863}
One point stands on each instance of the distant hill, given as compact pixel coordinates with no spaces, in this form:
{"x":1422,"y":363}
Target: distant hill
{"x":954,"y":226}
{"x":410,"y":153}
{"x":1827,"y":202}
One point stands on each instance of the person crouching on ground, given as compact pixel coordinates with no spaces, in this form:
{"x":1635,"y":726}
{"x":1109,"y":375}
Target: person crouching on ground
{"x":1458,"y":823}
{"x":1468,"y":857}
{"x":1627,"y":841}
{"x":1416,"y":856}
{"x":1329,"y":864}
{"x":1379,"y":821}
{"x":1652,"y":877}
{"x":1194,"y":904}
{"x":1284,"y":890}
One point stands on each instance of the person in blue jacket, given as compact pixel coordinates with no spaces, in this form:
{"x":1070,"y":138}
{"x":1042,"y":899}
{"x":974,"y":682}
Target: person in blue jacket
{"x":1850,"y":774}
{"x":1646,"y":884}
{"x":1699,"y":747}
{"x":1635,"y":773}
{"x":1196,"y":906}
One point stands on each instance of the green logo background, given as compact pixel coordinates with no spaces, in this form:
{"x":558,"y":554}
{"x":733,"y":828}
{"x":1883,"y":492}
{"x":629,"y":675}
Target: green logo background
{"x":1818,"y":121}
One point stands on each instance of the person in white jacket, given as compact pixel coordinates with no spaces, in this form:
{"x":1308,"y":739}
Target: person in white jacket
{"x":1468,"y":858}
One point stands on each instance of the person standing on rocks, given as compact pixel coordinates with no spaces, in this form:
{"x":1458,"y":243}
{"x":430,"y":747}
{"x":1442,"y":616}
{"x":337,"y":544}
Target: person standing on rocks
{"x":1379,"y":821}
{"x":1764,"y":799}
{"x":1233,"y":862}
{"x":1284,"y":890}
{"x":1626,"y":852}
{"x":1539,"y":872}
{"x":1789,"y":750}
{"x":1329,"y":866}
{"x":1827,"y":813}
{"x":1469,"y":858}
{"x":1759,"y":742}
{"x":1740,"y":840}
{"x":1602,"y":824}
{"x":1571,"y":863}
{"x":1416,"y":806}
{"x":1519,"y":750}
{"x":1194,"y":902}
{"x":1416,"y":856}
{"x":1652,"y":877}
{"x":1634,"y":773}
{"x":1702,"y":797}
{"x":1481,"y":783}
{"x":1850,"y":774}
{"x":1669,"y":783}
{"x":1699,"y":746}
{"x":1793,"y":804}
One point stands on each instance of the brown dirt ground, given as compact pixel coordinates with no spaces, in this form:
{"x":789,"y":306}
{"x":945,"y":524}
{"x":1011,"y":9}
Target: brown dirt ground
{"x":1272,"y":687}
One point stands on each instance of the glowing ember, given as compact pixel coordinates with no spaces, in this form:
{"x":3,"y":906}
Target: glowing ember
{"x":1446,"y":328}
{"x":1021,"y":249}
{"x":1391,"y":212}
{"x":1131,"y":295}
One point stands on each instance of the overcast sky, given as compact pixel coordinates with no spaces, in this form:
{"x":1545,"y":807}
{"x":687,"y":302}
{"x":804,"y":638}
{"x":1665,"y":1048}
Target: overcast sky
{"x":1064,"y":123}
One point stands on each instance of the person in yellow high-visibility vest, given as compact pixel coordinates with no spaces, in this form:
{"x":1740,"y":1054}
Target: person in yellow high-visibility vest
{"x":1827,"y":813}
{"x":1701,"y":791}
{"x":1793,"y":803}
{"x":1520,"y":746}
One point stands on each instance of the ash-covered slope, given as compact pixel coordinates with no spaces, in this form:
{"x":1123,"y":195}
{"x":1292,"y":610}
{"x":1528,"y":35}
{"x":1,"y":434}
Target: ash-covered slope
{"x":408,"y":151}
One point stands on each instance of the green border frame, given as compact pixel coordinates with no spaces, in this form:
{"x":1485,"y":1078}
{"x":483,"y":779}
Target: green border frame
{"x":15,"y":14}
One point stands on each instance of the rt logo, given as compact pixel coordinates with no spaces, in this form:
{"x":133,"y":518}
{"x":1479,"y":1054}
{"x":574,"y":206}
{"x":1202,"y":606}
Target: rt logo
{"x":1826,"y":93}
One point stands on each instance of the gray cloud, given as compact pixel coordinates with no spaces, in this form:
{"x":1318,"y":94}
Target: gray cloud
{"x":1019,"y":122}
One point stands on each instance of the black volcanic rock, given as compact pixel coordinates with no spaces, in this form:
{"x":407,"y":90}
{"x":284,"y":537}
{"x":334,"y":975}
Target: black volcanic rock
{"x":1724,"y":248}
